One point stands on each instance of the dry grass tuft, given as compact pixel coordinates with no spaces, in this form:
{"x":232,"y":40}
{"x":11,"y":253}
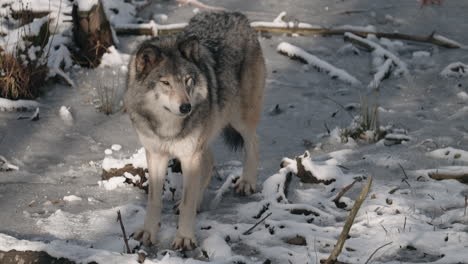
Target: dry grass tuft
{"x":19,"y":80}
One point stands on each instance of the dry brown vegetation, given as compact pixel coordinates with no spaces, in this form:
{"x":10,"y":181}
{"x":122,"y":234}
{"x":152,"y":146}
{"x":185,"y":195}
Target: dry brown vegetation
{"x":19,"y":80}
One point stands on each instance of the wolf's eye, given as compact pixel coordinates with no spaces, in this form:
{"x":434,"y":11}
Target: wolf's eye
{"x":189,"y":81}
{"x":164,"y":82}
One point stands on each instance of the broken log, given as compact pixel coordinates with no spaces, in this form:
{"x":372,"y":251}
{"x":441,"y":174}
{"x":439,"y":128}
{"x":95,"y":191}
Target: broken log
{"x":92,"y":34}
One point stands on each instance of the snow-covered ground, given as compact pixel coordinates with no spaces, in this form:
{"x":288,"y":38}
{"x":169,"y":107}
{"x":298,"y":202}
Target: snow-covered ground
{"x":53,"y":199}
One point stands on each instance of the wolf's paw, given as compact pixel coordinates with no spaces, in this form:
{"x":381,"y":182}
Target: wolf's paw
{"x":244,"y":187}
{"x":146,"y":236}
{"x":184,"y":243}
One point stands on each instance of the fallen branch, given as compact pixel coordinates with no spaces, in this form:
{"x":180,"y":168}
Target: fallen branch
{"x":333,"y":258}
{"x":119,"y":219}
{"x":341,"y":193}
{"x":199,"y":4}
{"x":383,"y":72}
{"x":375,"y":251}
{"x":294,"y":28}
{"x":249,"y":231}
{"x":463,"y":177}
{"x":376,"y":48}
{"x":150,"y":29}
{"x":6,"y":166}
{"x":305,"y":57}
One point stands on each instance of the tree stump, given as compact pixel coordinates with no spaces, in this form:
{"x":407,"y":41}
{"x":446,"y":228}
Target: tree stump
{"x":92,"y":34}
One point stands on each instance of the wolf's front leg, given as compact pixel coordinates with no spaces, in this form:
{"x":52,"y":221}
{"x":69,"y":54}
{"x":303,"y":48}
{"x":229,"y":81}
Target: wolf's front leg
{"x":192,"y":170}
{"x":157,"y":164}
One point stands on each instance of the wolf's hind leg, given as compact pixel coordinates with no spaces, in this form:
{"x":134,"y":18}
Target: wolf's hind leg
{"x":246,"y":185}
{"x":157,"y":164}
{"x":251,"y":93}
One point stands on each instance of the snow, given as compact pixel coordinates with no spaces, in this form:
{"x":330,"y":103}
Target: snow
{"x":424,"y":219}
{"x":66,"y":115}
{"x":331,"y":70}
{"x":72,"y":198}
{"x":116,"y":147}
{"x":138,"y":160}
{"x":451,"y":154}
{"x":114,"y":58}
{"x":86,"y":5}
{"x":14,"y":105}
{"x":455,"y":69}
{"x":216,"y":247}
{"x":113,"y":183}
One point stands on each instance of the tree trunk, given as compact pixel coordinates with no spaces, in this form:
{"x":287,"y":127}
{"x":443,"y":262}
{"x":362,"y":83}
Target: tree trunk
{"x":92,"y":34}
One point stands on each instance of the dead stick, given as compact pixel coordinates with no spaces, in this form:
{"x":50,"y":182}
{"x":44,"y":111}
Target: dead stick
{"x":256,"y":224}
{"x":119,"y":219}
{"x":343,"y":191}
{"x":349,"y":223}
{"x":375,"y":251}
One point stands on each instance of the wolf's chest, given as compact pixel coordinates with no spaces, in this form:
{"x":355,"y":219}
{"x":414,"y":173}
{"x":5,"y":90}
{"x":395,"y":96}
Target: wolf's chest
{"x":185,"y":146}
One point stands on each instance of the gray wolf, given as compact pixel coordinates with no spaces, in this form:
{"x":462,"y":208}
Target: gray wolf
{"x":183,"y":91}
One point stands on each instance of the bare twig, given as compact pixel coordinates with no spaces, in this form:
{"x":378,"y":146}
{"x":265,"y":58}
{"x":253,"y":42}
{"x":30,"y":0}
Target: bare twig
{"x":340,"y":105}
{"x":386,"y":232}
{"x":249,"y":231}
{"x":349,"y":223}
{"x":119,"y":219}
{"x":375,"y":251}
{"x":404,"y":172}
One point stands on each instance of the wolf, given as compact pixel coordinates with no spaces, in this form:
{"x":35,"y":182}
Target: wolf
{"x":182,"y":92}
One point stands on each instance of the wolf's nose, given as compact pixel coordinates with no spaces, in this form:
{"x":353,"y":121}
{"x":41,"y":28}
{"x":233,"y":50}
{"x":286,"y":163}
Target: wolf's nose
{"x":185,"y":108}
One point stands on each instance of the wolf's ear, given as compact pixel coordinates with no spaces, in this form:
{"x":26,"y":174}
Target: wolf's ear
{"x":190,"y":48}
{"x":147,"y":58}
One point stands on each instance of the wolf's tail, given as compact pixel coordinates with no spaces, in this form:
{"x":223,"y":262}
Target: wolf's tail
{"x":233,"y":138}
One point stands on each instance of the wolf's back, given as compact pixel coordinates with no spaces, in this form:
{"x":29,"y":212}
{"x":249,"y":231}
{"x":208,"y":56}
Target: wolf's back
{"x":221,"y":30}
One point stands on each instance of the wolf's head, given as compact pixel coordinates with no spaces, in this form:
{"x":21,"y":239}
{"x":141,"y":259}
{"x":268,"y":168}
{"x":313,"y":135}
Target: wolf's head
{"x":164,"y":76}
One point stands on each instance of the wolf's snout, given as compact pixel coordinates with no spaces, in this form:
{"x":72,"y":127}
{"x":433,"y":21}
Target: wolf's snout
{"x":185,"y":108}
